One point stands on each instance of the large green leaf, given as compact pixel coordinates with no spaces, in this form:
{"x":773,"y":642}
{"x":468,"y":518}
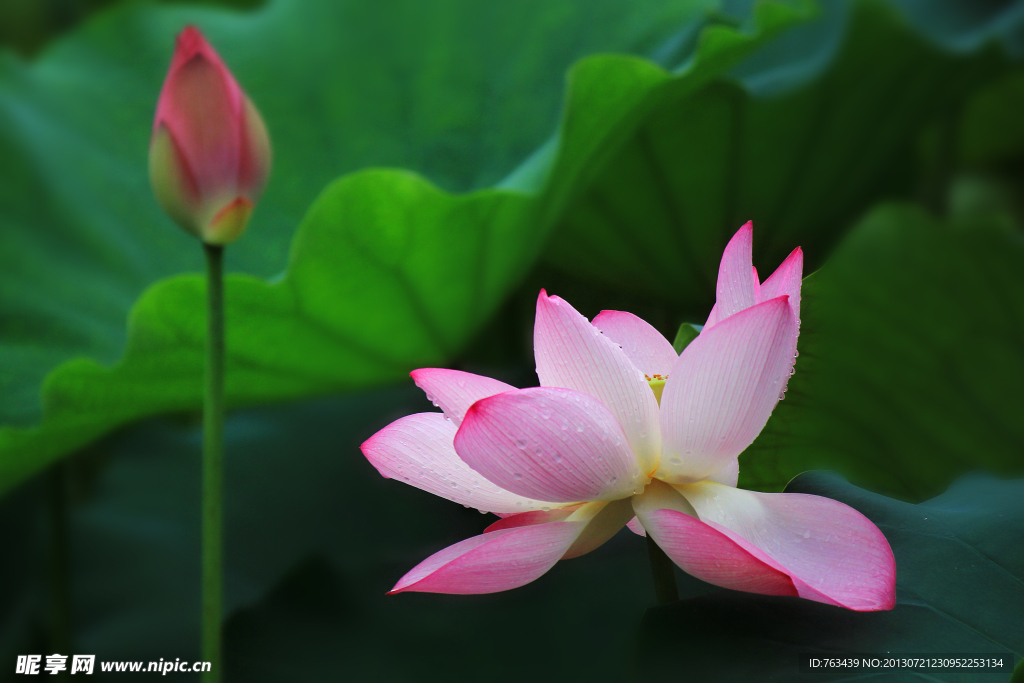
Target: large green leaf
{"x":803,"y":165}
{"x":910,"y":362}
{"x":959,"y":589}
{"x":387,"y":272}
{"x":458,"y":91}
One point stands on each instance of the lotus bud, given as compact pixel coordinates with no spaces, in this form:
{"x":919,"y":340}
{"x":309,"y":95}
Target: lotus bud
{"x":209,"y":156}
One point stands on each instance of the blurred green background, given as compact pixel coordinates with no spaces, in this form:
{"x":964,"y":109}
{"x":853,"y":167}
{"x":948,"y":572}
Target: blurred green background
{"x":436,"y":164}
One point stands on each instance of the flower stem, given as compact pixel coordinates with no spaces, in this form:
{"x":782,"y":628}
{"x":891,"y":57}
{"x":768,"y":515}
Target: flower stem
{"x":213,"y":463}
{"x":663,"y":572}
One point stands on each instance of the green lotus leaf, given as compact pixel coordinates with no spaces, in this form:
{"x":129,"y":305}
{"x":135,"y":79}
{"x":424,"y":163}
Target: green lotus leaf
{"x":959,"y":589}
{"x":804,"y":164}
{"x":387,"y":272}
{"x":910,"y":360}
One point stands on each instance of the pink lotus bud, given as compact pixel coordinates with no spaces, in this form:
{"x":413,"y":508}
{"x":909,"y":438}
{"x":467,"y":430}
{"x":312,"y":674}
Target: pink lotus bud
{"x":209,"y":156}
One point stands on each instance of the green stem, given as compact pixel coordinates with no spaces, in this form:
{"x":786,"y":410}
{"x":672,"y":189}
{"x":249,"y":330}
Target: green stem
{"x":213,"y":463}
{"x":60,"y":595}
{"x":663,"y":572}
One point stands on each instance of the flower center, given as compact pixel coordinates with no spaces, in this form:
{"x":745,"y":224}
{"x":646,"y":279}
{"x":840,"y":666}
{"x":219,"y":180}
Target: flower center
{"x":657,"y":383}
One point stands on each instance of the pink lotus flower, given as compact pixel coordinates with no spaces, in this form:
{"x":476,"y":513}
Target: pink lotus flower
{"x":209,"y":155}
{"x":606,"y":440}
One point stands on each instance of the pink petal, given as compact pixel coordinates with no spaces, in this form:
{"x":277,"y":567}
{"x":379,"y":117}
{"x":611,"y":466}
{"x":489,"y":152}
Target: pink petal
{"x":201,"y":105}
{"x":418,"y":450}
{"x":786,"y":281}
{"x":492,"y":562}
{"x":832,"y":553}
{"x":704,"y":551}
{"x":533,"y":517}
{"x":722,"y":390}
{"x":573,"y":354}
{"x":713,"y":318}
{"x":454,"y":391}
{"x":550,"y":444}
{"x":636,"y":527}
{"x":645,"y":347}
{"x":735,"y":290}
{"x":728,"y":475}
{"x":602,"y":520}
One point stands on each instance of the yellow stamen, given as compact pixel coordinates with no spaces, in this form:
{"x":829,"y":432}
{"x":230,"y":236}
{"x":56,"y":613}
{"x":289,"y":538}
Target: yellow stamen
{"x":657,"y":385}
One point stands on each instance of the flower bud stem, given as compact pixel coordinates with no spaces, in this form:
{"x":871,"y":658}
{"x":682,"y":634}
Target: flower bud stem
{"x":663,"y":572}
{"x":213,"y":463}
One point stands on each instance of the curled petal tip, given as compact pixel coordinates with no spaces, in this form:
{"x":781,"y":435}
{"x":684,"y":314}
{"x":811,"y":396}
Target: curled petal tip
{"x":190,"y":41}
